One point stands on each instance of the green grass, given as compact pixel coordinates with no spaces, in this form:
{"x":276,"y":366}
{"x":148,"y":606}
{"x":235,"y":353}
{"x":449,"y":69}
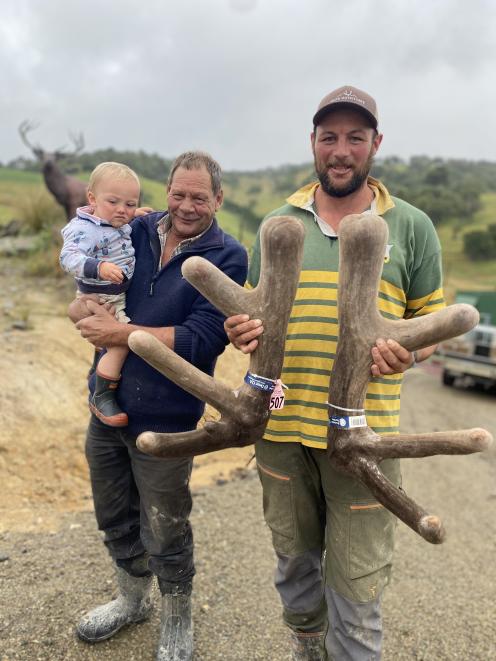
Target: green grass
{"x":15,"y":188}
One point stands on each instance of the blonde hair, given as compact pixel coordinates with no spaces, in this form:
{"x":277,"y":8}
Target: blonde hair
{"x":111,"y":170}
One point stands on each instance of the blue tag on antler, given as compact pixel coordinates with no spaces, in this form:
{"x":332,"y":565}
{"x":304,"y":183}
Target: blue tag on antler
{"x":347,"y":421}
{"x":260,"y":382}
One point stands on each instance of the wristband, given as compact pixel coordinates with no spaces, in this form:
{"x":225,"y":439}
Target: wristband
{"x":260,"y":382}
{"x":345,"y":420}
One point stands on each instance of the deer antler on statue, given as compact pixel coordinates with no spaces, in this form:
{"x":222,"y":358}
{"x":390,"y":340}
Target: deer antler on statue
{"x":24,"y":128}
{"x":357,"y":451}
{"x":244,"y":412}
{"x":68,"y":191}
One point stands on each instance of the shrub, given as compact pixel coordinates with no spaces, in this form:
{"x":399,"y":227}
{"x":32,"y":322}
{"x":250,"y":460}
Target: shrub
{"x":38,"y":212}
{"x":480,"y":245}
{"x":40,"y":215}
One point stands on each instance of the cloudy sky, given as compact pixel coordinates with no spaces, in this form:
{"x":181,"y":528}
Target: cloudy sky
{"x":242,"y":78}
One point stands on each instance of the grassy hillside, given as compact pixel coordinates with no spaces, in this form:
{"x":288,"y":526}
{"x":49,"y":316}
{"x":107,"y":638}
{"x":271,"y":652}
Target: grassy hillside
{"x":459,"y":271}
{"x":259,"y":192}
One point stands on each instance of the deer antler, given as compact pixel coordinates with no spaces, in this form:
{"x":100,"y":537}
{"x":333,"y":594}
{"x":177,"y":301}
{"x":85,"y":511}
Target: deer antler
{"x":24,"y":128}
{"x":358,"y":451}
{"x":27,"y":126}
{"x":77,"y":140}
{"x":244,"y":412}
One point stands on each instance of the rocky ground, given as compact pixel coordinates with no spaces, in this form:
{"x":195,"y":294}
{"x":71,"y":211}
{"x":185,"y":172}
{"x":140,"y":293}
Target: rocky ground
{"x":53,"y":567}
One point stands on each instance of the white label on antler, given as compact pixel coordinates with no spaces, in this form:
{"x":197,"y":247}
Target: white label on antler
{"x":348,"y":421}
{"x":277,"y":398}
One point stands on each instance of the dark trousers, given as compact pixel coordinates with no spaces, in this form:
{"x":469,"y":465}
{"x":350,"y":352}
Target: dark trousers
{"x":142,"y":503}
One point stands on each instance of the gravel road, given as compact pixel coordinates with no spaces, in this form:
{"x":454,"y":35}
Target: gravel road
{"x":440,"y":605}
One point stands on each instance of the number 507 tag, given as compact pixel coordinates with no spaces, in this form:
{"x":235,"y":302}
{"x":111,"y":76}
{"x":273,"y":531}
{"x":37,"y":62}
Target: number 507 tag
{"x":277,"y":398}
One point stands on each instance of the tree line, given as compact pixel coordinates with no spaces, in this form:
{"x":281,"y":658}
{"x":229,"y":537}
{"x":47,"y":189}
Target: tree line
{"x":448,"y":190}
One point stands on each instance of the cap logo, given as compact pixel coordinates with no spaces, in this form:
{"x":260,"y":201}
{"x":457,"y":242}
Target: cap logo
{"x":349,"y":95}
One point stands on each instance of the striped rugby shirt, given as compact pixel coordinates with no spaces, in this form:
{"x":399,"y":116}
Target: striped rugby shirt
{"x":411,"y":285}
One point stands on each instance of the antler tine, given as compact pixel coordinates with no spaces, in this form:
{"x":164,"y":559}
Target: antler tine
{"x":428,"y":526}
{"x":166,"y":445}
{"x":244,"y":412}
{"x":218,"y":288}
{"x":357,"y":451}
{"x":210,"y":438}
{"x":282,"y":243}
{"x":78,"y":140}
{"x":403,"y":446}
{"x":432,"y":328}
{"x":185,"y":375}
{"x":24,"y":128}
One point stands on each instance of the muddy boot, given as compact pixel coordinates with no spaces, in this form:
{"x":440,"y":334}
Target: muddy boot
{"x":131,"y":606}
{"x":104,"y":404}
{"x":176,"y":628}
{"x":307,"y":646}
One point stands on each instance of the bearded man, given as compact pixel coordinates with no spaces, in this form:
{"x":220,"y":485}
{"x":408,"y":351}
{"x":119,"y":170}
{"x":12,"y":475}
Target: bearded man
{"x":334,"y":542}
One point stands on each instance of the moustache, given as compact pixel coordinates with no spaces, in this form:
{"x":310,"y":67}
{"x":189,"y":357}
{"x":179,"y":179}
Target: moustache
{"x":339,"y":163}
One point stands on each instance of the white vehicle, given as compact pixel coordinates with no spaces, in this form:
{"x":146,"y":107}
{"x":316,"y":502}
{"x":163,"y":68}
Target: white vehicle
{"x":470,"y":357}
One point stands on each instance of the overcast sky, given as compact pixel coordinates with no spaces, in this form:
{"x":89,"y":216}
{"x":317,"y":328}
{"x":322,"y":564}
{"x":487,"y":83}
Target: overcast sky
{"x":243,"y":78}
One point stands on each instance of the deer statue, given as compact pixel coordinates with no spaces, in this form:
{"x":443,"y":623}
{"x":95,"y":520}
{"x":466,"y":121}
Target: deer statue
{"x":353,"y":447}
{"x":68,"y":191}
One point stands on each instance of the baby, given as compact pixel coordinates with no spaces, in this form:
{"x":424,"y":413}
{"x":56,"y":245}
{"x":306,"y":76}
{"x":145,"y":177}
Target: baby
{"x":98,"y":252}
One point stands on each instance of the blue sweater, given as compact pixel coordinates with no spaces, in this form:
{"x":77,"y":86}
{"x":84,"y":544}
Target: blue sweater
{"x":161,"y":298}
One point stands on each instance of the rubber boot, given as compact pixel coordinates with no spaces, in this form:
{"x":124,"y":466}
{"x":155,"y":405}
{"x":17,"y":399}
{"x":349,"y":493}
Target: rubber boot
{"x":307,"y":646}
{"x":133,"y":605}
{"x":96,"y":358}
{"x":176,"y":628}
{"x":104,"y":404}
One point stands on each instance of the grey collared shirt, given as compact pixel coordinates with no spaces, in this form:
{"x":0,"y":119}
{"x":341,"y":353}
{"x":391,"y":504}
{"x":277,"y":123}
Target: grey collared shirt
{"x":164,"y":225}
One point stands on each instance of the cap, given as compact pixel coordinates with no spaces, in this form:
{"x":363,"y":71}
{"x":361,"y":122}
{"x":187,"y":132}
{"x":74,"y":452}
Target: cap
{"x":348,"y":97}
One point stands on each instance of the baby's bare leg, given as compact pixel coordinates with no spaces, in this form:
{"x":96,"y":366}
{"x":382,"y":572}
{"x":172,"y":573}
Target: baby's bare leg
{"x":78,"y":310}
{"x":111,"y":362}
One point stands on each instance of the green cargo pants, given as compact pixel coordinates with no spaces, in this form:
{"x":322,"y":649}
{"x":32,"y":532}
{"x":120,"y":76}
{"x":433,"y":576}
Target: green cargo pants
{"x":311,"y":508}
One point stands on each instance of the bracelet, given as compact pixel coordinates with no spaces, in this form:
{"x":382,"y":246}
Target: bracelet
{"x":341,"y":408}
{"x":260,"y":382}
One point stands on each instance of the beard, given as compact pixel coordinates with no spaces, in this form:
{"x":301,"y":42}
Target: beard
{"x":358,"y":178}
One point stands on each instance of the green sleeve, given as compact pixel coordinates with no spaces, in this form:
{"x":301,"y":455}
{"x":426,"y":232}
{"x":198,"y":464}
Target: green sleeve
{"x":425,"y":293}
{"x":254,"y":266}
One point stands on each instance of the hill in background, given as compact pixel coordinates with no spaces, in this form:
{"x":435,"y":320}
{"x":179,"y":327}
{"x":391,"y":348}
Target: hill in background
{"x":459,"y":196}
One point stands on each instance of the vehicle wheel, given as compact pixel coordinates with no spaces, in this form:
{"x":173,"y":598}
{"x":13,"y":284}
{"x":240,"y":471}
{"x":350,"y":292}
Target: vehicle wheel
{"x":448,"y":378}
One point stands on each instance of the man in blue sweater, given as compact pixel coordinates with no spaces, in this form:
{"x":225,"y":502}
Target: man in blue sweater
{"x":142,"y":503}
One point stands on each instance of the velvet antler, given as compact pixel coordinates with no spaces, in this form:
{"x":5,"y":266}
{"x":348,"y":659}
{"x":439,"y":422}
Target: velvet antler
{"x":245,"y":411}
{"x":358,"y":451}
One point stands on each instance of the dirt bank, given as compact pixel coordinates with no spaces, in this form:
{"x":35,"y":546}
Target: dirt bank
{"x":44,"y":412}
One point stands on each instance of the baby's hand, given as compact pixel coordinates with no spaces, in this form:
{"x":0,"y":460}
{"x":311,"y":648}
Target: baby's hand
{"x":142,"y":211}
{"x":109,"y":271}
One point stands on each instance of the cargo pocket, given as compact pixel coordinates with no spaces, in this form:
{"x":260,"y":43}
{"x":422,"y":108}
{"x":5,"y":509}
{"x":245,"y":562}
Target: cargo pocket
{"x":278,"y":507}
{"x":360,"y":559}
{"x":371,"y":539}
